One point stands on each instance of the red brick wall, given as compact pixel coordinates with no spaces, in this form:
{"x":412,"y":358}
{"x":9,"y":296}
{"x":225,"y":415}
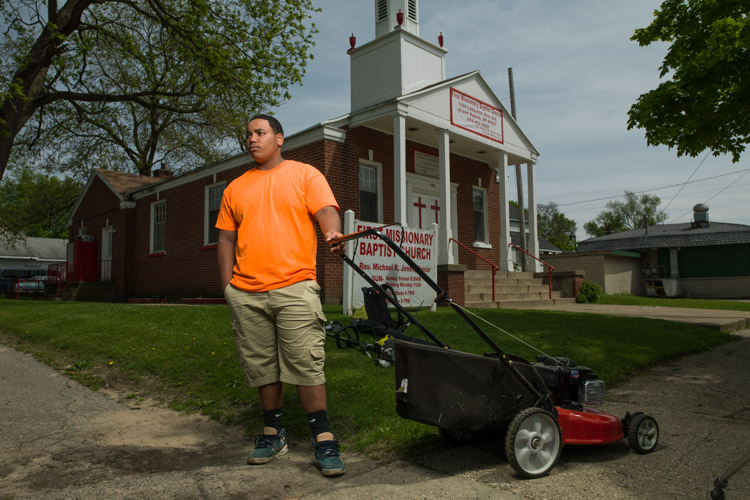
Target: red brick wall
{"x":188,"y":269}
{"x":185,"y":268}
{"x":466,"y":172}
{"x":451,"y":280}
{"x":100,"y":208}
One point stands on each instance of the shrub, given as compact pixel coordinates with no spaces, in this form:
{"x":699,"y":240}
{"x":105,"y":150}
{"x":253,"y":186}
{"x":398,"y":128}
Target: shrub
{"x":589,"y":292}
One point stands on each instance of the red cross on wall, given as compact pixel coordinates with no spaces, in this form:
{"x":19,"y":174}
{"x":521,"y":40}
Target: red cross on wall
{"x":420,"y":206}
{"x":436,"y":208}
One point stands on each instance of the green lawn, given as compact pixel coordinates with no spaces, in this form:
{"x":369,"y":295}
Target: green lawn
{"x":634,"y":300}
{"x":185,"y":357}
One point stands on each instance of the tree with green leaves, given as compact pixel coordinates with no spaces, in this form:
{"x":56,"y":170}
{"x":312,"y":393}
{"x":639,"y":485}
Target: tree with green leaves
{"x":34,"y":204}
{"x":626,"y":215}
{"x":136,"y":85}
{"x":704,"y":103}
{"x":554,"y":227}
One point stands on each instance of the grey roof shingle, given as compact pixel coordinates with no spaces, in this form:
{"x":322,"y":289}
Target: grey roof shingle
{"x":40,"y":248}
{"x":670,"y":236}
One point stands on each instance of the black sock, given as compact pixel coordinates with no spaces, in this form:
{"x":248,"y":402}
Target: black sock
{"x":318,"y":421}
{"x":272,"y":418}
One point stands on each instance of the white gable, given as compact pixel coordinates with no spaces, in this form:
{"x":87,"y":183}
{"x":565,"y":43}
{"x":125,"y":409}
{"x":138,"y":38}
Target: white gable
{"x":438,"y":105}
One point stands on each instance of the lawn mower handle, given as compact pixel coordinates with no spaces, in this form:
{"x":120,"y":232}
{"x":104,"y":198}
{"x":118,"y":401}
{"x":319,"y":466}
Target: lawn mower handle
{"x":542,"y":397}
{"x":375,"y":231}
{"x":441,"y":295}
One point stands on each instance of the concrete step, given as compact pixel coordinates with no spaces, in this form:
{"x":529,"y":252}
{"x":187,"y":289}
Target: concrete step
{"x":512,"y":290}
{"x":486,"y":273}
{"x":487,"y":296}
{"x":518,"y":304}
{"x":506,"y":287}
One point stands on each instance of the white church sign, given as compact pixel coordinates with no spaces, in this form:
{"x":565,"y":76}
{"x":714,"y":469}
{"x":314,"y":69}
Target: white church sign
{"x":476,"y":116}
{"x":426,"y":164}
{"x":380,"y":262}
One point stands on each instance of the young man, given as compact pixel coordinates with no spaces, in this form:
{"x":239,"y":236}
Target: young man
{"x":267,"y":256}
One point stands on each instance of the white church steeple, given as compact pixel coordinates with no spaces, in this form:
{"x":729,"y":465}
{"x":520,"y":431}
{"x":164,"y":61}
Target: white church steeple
{"x":398,"y":61}
{"x":387,"y":16}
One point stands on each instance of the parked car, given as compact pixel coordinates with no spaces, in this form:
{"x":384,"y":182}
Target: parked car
{"x":10,"y":275}
{"x":33,"y":286}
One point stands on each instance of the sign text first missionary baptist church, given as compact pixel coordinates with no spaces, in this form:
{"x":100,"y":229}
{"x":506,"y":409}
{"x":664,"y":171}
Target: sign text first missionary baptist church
{"x":378,"y":260}
{"x":373,"y":256}
{"x":417,"y":245}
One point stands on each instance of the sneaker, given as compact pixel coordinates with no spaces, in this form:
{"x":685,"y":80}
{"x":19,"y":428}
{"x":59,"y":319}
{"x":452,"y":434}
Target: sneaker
{"x":268,"y":447}
{"x":329,"y":459}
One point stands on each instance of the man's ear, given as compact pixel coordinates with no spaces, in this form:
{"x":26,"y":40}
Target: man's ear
{"x":279,"y":139}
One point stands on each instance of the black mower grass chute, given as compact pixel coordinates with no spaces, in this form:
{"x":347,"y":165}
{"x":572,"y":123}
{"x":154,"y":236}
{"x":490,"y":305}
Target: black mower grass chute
{"x":541,"y":406}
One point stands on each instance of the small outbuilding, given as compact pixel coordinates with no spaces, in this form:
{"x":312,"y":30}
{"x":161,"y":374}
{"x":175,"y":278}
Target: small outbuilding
{"x":699,"y":259}
{"x":28,"y":257}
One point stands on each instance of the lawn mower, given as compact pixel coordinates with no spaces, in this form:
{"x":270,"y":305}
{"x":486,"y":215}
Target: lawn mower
{"x":540,"y":406}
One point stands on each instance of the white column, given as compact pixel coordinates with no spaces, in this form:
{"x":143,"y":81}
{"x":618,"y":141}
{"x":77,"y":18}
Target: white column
{"x":674,"y":284}
{"x":445,"y":231}
{"x":348,"y":290}
{"x":399,"y":169}
{"x":506,"y":263}
{"x":533,"y":238}
{"x":674,"y":264}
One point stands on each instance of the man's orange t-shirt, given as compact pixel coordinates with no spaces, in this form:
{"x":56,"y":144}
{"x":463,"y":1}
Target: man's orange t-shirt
{"x":273,"y":213}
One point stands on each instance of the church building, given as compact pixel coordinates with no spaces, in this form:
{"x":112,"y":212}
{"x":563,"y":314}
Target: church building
{"x":416,"y":148}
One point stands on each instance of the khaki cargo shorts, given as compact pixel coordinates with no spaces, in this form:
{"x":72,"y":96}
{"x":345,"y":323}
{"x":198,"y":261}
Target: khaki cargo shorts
{"x":280,"y":334}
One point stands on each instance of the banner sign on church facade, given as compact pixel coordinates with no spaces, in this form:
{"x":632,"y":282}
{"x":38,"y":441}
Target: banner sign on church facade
{"x":379,"y":261}
{"x":476,"y":116}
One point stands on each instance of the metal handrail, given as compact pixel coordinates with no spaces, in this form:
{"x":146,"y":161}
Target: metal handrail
{"x":549,"y":267}
{"x":20,"y":290}
{"x":495,"y":267}
{"x":65,"y":273}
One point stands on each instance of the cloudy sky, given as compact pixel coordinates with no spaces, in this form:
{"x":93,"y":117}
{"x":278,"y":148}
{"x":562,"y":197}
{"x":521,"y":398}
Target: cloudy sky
{"x":575,"y":73}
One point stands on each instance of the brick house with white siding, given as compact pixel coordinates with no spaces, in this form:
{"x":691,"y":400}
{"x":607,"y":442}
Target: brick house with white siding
{"x":413,"y":144}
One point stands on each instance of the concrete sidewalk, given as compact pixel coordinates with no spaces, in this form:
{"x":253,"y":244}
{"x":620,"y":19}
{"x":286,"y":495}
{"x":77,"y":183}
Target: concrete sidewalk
{"x":63,"y":441}
{"x":725,"y":321}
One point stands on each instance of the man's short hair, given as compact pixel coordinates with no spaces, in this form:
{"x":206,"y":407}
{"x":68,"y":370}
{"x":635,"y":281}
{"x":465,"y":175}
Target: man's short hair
{"x":273,"y":122}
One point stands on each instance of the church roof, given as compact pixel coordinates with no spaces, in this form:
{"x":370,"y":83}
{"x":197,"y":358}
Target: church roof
{"x":123,"y":183}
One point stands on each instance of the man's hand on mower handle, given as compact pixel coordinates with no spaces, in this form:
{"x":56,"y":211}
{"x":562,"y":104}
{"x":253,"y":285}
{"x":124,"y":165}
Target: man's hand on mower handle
{"x":337,"y":247}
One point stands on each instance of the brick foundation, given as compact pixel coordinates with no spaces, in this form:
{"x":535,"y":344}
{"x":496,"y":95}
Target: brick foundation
{"x":451,"y":280}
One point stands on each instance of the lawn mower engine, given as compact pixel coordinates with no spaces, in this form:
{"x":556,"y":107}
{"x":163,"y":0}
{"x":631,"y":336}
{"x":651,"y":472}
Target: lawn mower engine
{"x":570,"y":385}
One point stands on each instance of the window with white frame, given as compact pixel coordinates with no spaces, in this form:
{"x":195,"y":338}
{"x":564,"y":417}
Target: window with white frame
{"x":213,"y":205}
{"x":158,"y":226}
{"x":480,"y":215}
{"x":370,"y":192}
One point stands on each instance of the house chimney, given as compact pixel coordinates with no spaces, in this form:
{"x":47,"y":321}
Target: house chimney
{"x":700,"y":215}
{"x":163,"y":173}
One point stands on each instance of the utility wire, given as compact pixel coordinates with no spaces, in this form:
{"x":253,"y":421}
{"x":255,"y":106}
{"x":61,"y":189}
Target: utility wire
{"x":652,"y":189}
{"x":685,"y":184}
{"x":686,"y":194}
{"x":730,"y":185}
{"x":717,"y":194}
